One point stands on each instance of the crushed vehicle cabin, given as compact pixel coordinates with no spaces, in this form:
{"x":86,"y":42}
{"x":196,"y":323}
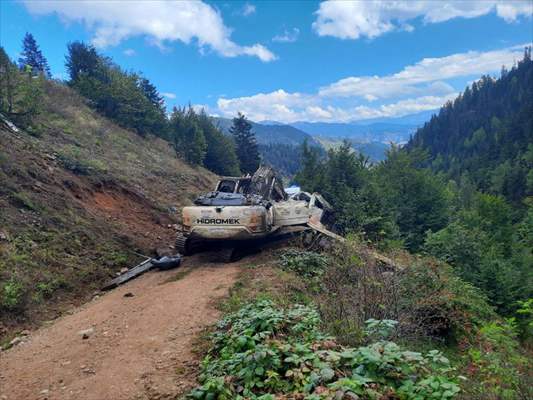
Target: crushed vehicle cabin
{"x":250,"y":208}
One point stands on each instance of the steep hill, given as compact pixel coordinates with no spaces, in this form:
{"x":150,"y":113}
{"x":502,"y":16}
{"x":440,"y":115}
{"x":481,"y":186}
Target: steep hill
{"x":486,"y":134}
{"x":79,"y":196}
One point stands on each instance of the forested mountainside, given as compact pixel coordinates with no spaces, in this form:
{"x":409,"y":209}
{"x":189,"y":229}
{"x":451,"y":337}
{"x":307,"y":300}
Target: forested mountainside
{"x":375,"y":151}
{"x":476,"y":214}
{"x":279,"y":144}
{"x":285,"y":158}
{"x":486,"y":135}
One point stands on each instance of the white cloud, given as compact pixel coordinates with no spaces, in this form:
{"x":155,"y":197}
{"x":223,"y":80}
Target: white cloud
{"x":415,"y":88}
{"x":288,"y":36}
{"x":298,"y":107}
{"x":248,"y":9}
{"x":402,"y":107}
{"x":129,"y":52}
{"x":169,"y":95}
{"x":200,"y":107}
{"x":261,"y":106}
{"x":425,"y":76}
{"x":372,"y":18}
{"x":159,"y":21}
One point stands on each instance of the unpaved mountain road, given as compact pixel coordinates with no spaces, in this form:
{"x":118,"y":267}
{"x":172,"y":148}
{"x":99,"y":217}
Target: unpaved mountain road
{"x":140,"y":347}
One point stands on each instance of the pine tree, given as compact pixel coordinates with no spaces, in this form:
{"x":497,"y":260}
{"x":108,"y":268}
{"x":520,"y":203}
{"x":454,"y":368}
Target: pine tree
{"x":220,"y":157}
{"x":81,"y":60}
{"x":151,"y":93}
{"x":32,"y":58}
{"x":246,"y":143}
{"x":187,"y":136}
{"x":20,"y":93}
{"x":310,"y":175}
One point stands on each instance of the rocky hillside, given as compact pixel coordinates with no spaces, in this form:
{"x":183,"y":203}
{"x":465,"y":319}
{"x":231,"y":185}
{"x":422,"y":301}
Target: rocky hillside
{"x":79,"y":196}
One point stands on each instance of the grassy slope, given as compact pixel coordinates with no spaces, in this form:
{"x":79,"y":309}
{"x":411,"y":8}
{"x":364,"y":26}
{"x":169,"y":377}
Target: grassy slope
{"x":77,"y":196}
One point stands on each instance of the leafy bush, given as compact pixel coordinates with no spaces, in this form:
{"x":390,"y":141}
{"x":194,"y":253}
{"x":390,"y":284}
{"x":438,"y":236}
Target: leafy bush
{"x":307,"y":264}
{"x":439,"y":303}
{"x":425,"y":297}
{"x":12,"y":295}
{"x":524,"y":320}
{"x":495,"y":365}
{"x":264,"y":352}
{"x":380,"y":328}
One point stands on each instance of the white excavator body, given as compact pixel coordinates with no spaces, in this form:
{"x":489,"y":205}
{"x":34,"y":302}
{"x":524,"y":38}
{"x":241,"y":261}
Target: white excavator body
{"x":248,"y":208}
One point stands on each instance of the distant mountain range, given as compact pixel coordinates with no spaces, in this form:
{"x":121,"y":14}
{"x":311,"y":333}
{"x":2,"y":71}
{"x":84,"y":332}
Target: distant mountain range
{"x":371,"y":137}
{"x":271,"y":133}
{"x":384,"y":130}
{"x":375,"y":132}
{"x":417,"y":119}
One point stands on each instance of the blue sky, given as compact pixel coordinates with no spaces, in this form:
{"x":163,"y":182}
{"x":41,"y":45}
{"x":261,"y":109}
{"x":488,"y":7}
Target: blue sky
{"x":287,"y":61}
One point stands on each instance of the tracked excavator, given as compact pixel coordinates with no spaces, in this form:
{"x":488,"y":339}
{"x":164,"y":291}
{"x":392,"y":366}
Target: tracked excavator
{"x":247,"y":210}
{"x":243,"y":212}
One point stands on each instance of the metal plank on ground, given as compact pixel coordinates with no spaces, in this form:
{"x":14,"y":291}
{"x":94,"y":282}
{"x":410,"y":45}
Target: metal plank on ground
{"x":132,"y":273}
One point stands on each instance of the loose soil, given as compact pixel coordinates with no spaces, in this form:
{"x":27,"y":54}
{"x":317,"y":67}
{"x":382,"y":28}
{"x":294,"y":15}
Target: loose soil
{"x":141,"y":346}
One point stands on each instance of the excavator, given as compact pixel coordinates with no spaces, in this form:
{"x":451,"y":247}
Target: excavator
{"x":247,"y":210}
{"x":243,"y":213}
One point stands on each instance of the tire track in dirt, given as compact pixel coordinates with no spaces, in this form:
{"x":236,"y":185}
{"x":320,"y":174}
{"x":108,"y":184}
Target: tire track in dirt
{"x":141,"y":346}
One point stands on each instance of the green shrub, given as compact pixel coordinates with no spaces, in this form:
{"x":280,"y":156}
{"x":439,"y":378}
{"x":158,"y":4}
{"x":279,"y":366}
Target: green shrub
{"x":264,"y":352}
{"x":425,"y":296}
{"x":380,"y":328}
{"x":495,"y":365}
{"x":307,"y":264}
{"x":524,"y":320}
{"x":440,"y":304}
{"x":21,"y":199}
{"x":12,"y":295}
{"x":45,"y":289}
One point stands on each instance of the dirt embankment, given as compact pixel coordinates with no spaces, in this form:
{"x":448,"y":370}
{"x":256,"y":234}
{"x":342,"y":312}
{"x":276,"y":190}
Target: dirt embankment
{"x":139,"y":345}
{"x":79,"y":197}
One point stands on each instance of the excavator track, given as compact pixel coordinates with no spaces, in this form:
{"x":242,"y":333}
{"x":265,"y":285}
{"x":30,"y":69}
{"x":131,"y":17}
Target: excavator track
{"x":183,"y":244}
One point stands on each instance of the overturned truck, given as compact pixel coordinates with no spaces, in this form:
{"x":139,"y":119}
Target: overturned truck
{"x":250,"y":209}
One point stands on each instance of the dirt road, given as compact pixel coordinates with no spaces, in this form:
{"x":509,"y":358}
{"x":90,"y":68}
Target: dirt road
{"x":139,"y":345}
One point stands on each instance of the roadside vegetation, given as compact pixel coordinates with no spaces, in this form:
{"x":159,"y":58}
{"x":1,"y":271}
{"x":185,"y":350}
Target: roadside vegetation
{"x":338,"y":325}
